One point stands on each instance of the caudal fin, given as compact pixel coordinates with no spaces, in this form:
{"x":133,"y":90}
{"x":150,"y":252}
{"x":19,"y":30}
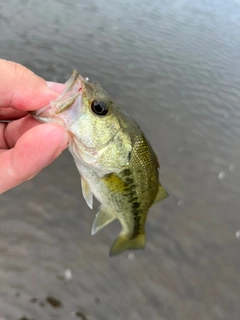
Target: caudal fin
{"x":124,"y":242}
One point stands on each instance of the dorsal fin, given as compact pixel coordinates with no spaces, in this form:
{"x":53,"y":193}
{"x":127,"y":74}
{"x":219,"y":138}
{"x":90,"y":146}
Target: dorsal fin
{"x":161,"y":194}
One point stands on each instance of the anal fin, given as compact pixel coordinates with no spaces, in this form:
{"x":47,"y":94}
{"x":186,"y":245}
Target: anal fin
{"x":87,"y":193}
{"x":103,"y":218}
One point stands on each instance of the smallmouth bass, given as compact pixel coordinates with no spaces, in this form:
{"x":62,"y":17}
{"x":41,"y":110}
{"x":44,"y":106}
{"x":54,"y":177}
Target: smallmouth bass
{"x":116,"y":162}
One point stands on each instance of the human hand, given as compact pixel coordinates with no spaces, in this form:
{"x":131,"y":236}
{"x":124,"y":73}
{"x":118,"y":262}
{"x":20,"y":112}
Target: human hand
{"x":26,"y":146}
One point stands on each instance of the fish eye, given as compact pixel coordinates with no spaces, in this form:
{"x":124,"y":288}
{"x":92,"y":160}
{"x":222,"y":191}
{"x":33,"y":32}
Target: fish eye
{"x":100,"y":108}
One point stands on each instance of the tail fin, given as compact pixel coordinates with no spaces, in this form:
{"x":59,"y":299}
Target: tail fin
{"x":124,"y":242}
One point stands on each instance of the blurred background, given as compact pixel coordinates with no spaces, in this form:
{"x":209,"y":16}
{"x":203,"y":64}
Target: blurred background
{"x":174,"y":66}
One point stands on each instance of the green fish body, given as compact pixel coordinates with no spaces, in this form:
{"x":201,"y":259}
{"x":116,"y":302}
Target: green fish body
{"x":116,"y":163}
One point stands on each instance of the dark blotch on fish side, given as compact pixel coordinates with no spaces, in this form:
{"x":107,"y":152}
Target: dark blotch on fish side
{"x":17,"y":294}
{"x":33,"y":300}
{"x":25,"y":318}
{"x":134,"y":201}
{"x":55,"y":303}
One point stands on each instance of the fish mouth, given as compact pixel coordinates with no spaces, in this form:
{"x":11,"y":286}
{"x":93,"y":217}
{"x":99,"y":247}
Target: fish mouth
{"x":70,"y":99}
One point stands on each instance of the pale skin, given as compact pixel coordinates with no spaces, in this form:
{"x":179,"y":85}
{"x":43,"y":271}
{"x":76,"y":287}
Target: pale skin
{"x":26,"y":146}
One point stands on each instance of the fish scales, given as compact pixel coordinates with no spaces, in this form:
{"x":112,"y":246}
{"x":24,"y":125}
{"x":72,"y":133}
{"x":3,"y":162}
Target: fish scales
{"x":116,"y":162}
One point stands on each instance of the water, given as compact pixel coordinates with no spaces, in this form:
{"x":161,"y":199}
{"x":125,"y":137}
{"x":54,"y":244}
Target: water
{"x":174,"y":66}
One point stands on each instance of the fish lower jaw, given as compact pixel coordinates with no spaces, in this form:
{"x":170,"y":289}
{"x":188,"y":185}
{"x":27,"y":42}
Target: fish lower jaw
{"x":47,"y":119}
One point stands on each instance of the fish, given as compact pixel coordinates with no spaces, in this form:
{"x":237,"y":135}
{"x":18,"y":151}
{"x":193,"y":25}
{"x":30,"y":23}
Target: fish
{"x":116,"y":162}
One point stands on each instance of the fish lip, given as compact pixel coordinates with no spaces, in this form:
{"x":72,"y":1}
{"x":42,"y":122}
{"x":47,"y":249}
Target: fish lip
{"x":64,"y":100}
{"x":55,"y":110}
{"x":73,"y":88}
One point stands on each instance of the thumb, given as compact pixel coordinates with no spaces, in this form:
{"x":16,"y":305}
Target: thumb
{"x":34,"y":150}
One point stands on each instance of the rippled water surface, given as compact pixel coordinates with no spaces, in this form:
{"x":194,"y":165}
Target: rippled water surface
{"x":175,"y":67}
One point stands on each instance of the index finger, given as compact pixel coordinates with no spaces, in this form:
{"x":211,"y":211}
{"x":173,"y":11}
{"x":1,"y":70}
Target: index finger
{"x":21,"y":89}
{"x":11,"y":114}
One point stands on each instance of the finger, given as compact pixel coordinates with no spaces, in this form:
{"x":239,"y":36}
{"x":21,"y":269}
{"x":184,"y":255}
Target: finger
{"x":21,"y":88}
{"x":15,"y":129}
{"x":11,"y":114}
{"x":3,"y":144}
{"x":36,"y":149}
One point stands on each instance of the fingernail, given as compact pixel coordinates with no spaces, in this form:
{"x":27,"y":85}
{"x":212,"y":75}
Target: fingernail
{"x":65,"y":139}
{"x":49,"y":84}
{"x":63,"y":145}
{"x":55,"y":86}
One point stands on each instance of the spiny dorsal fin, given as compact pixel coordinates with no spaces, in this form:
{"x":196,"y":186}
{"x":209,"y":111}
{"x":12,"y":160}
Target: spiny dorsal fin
{"x":87,"y":193}
{"x":103,"y":218}
{"x":161,"y":194}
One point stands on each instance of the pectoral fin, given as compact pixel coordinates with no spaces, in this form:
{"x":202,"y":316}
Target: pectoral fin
{"x":103,"y":218}
{"x":87,"y":193}
{"x":161,"y":194}
{"x":124,"y":242}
